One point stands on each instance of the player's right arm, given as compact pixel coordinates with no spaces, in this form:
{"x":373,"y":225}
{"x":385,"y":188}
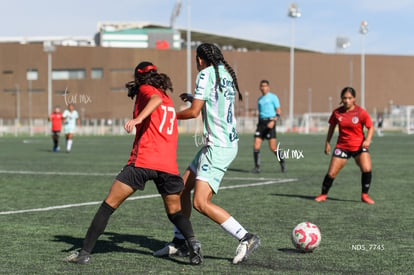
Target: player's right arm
{"x":153,"y":103}
{"x":191,"y":112}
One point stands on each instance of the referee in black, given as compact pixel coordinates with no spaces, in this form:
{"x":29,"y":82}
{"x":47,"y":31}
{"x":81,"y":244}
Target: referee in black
{"x":269,"y":112}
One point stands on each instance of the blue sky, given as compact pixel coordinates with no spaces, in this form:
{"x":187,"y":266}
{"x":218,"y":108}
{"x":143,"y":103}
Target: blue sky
{"x":390,"y":23}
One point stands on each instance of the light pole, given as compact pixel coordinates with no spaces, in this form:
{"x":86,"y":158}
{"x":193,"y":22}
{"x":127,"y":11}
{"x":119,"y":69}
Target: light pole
{"x":343,"y":43}
{"x":30,"y":76}
{"x":246,"y":104}
{"x":363,"y":30}
{"x":189,"y":47}
{"x":293,"y":13}
{"x":49,"y":48}
{"x":18,"y":103}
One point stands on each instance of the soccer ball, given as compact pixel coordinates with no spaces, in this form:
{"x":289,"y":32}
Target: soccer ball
{"x":306,"y":236}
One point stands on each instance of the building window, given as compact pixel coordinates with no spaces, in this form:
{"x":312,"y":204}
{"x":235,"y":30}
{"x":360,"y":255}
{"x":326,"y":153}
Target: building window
{"x":97,"y":73}
{"x":63,"y":74}
{"x":32,"y":74}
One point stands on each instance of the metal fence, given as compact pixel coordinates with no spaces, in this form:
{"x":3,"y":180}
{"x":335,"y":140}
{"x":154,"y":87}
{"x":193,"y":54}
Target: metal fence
{"x":301,"y":124}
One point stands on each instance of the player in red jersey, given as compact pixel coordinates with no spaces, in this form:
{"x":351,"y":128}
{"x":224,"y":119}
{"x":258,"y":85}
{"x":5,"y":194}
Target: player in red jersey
{"x":156,"y":136}
{"x":56,"y":119}
{"x":351,"y":120}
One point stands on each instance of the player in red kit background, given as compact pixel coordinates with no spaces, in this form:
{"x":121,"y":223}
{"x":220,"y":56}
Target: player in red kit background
{"x":56,"y":119}
{"x":153,"y":157}
{"x":351,"y":120}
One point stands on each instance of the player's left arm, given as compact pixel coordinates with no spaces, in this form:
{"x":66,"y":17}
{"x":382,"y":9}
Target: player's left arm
{"x":370,"y":126}
{"x":78,"y":121}
{"x":277,"y":107}
{"x":367,"y":140}
{"x":278,"y":113}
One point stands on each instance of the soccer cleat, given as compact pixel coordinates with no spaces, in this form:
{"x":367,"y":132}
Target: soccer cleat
{"x":78,"y":258}
{"x":321,"y":198}
{"x":177,"y":247}
{"x":256,"y":170}
{"x":247,"y":245}
{"x":365,"y":198}
{"x":196,"y":257}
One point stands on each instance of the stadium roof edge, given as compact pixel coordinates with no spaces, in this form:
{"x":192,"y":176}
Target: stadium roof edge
{"x":230,"y":43}
{"x":236,"y":43}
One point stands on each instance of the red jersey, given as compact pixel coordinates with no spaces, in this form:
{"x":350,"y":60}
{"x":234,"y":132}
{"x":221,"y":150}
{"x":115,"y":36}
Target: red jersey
{"x":351,"y":127}
{"x":155,"y":145}
{"x":56,"y":119}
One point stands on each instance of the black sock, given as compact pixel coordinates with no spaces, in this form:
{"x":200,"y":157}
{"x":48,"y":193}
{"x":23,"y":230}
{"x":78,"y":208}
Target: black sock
{"x":279,"y":157}
{"x":326,"y":185}
{"x":366,"y":181}
{"x":183,"y":224}
{"x":55,"y":143}
{"x":256,"y":156}
{"x":97,"y":226}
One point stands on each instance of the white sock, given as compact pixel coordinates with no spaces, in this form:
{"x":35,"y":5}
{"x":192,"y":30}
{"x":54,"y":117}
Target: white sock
{"x":69,"y":145}
{"x":177,"y":233}
{"x":234,"y":228}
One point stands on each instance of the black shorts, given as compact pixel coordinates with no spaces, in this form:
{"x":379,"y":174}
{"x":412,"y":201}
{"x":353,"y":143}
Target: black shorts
{"x":344,"y":154}
{"x":264,"y":132}
{"x":137,"y":177}
{"x":56,"y":133}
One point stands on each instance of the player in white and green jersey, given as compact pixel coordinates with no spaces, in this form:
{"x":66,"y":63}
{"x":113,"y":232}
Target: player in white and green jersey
{"x":214,"y":98}
{"x":71,"y":119}
{"x":218,"y":110}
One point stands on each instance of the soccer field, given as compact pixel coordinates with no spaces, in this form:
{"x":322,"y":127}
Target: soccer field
{"x":47,"y":201}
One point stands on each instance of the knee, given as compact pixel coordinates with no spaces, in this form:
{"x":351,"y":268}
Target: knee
{"x":199,"y":206}
{"x":332,"y":174}
{"x":365,"y":170}
{"x":173,"y":217}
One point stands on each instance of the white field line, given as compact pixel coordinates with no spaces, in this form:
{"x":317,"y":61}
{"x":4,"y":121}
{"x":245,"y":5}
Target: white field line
{"x":138,"y":197}
{"x":55,"y":173}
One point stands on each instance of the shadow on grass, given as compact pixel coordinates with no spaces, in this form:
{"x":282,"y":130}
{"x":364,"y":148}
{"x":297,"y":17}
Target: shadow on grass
{"x":292,"y":250}
{"x":239,"y":170}
{"x":184,"y":260}
{"x":115,"y":241}
{"x":310,"y":197}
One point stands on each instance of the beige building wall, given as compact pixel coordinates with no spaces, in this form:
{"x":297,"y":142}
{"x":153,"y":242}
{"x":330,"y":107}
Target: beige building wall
{"x":318,"y":79}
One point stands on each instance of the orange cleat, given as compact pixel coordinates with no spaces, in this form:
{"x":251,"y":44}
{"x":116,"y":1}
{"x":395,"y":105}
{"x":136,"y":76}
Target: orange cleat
{"x":321,"y":198}
{"x":365,"y":198}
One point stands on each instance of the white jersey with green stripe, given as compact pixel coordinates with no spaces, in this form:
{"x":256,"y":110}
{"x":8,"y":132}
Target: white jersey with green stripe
{"x":219,"y":121}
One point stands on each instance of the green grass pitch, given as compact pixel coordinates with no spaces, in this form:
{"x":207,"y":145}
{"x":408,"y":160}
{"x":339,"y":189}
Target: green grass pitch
{"x":47,"y":201}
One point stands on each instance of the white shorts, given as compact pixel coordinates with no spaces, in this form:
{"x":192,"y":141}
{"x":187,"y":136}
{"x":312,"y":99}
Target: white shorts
{"x":69,"y":129}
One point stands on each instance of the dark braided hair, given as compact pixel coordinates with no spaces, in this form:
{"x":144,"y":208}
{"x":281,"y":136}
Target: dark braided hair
{"x":347,"y":89}
{"x":146,"y":73}
{"x":213,"y":56}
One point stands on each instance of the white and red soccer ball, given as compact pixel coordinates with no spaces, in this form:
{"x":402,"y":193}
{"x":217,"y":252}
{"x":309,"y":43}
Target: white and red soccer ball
{"x":306,"y":236}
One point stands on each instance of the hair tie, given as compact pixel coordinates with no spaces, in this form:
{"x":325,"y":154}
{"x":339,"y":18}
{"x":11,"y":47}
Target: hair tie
{"x":147,"y":69}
